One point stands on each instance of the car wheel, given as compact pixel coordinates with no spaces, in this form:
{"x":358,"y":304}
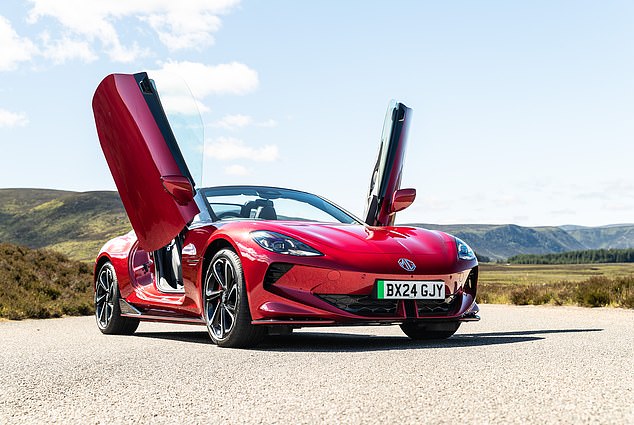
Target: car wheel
{"x":430,"y":331}
{"x":107,"y":311}
{"x":226,"y":305}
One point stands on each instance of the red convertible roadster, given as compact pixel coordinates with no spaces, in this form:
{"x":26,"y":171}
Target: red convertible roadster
{"x":245,"y":261}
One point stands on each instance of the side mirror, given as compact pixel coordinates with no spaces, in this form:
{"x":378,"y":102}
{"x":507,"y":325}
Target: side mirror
{"x":179,"y":187}
{"x":402,"y":199}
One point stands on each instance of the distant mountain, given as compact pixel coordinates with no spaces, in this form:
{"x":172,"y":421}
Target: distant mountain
{"x":618,"y":236}
{"x":568,"y":227}
{"x":505,"y":240}
{"x":75,"y":223}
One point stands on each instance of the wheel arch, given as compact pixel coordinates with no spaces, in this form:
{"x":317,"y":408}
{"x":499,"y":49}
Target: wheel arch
{"x":211,"y":250}
{"x":101,"y":260}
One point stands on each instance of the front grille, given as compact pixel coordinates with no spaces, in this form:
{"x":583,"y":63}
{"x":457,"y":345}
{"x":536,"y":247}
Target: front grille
{"x":362,"y":305}
{"x":437,"y":307}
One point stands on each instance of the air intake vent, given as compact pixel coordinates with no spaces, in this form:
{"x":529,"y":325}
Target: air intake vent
{"x":471,"y":285}
{"x":275,"y":272}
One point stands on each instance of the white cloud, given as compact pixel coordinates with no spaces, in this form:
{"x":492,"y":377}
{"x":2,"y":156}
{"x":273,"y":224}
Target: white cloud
{"x":12,"y":119}
{"x":226,"y":78}
{"x":178,"y":24}
{"x":176,"y":79}
{"x":432,"y":203}
{"x":508,"y":200}
{"x":229,"y":148}
{"x":13,"y":48}
{"x":181,"y":103}
{"x":91,"y":20}
{"x":237,"y":170}
{"x":232,"y":122}
{"x":65,"y":48}
{"x":270,"y":123}
{"x":126,"y":54}
{"x":618,"y":206}
{"x":184,"y":29}
{"x":563,"y":211}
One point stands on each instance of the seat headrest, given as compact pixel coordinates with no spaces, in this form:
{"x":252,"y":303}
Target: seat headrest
{"x":267,"y":213}
{"x":251,"y":205}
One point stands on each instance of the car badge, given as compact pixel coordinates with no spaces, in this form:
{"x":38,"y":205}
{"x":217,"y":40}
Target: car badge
{"x":407,"y":265}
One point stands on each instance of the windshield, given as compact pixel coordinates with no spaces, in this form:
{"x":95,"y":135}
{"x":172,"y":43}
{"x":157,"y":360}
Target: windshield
{"x":266,"y":203}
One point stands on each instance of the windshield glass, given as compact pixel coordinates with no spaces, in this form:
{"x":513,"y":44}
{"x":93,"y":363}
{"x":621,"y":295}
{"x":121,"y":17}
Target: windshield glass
{"x":183,"y":115}
{"x":265,"y":203}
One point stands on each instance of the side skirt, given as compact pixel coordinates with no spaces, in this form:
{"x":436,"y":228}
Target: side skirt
{"x":128,"y":310}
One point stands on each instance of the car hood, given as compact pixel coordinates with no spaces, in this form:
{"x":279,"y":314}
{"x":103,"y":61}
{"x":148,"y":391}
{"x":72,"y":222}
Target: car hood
{"x":356,"y":247}
{"x":364,"y":239}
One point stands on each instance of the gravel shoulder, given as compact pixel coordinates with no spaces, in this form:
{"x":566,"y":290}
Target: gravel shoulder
{"x":518,"y":365}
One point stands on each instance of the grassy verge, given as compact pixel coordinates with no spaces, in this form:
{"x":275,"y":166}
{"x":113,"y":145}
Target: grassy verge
{"x":42,"y":284}
{"x":593,"y":285}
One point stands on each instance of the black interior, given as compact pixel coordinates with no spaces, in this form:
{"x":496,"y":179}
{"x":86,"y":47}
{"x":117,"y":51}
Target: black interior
{"x":259,"y":208}
{"x":167,"y":261}
{"x":267,"y":213}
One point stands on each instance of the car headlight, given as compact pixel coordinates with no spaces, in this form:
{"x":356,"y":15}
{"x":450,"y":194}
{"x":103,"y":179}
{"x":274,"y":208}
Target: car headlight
{"x":464,"y":251}
{"x":282,"y":244}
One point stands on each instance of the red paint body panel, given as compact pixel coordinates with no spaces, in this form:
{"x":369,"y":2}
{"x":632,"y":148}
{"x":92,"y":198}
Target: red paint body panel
{"x":138,"y":158}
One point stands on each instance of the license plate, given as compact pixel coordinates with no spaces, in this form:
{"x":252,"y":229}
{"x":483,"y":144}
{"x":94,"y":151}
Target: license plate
{"x":410,"y":290}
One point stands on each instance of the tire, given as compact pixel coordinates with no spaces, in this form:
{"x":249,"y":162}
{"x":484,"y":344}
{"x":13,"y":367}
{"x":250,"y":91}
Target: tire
{"x":107,"y":311}
{"x":430,"y":331}
{"x":226,"y":306}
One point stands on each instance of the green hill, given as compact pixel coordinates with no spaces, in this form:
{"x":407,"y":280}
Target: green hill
{"x":503,"y":241}
{"x":42,"y":283}
{"x":75,"y":223}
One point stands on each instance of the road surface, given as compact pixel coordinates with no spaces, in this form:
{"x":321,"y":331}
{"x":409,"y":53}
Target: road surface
{"x":518,"y":365}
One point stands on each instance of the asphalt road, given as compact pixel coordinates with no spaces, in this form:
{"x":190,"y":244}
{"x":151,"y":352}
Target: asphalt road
{"x":518,"y":365}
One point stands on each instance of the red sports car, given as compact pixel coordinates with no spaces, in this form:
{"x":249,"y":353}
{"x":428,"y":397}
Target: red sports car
{"x":247,"y":261}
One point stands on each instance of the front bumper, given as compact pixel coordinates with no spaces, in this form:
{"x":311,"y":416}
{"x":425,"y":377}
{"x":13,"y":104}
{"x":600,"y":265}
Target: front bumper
{"x":309,"y":296}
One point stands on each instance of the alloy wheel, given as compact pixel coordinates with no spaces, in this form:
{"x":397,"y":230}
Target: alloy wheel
{"x":104,"y":297}
{"x":221,"y":298}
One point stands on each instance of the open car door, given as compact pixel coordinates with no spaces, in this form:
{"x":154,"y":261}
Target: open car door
{"x":386,"y":175}
{"x":144,"y":158}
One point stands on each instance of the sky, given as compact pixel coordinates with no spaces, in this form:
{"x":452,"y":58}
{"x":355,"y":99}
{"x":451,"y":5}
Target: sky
{"x":523,"y":111}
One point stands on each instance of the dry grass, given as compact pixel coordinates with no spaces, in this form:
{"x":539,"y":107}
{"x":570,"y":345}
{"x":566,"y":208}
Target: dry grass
{"x":41,"y":284}
{"x":588,"y":285}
